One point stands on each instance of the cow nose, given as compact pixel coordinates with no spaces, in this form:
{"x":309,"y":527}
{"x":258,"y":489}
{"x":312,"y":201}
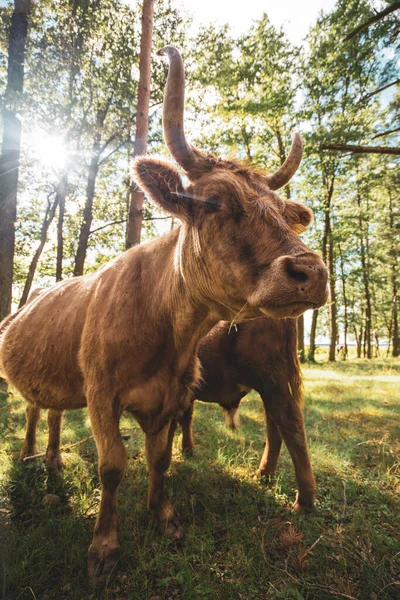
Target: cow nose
{"x":308,"y":273}
{"x":295,"y":272}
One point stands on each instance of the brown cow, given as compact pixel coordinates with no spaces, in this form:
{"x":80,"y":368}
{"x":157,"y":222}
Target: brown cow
{"x":126,"y":337}
{"x":262,"y":355}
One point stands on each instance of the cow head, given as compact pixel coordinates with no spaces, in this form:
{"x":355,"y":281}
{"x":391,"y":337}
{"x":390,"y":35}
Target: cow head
{"x":238,"y":249}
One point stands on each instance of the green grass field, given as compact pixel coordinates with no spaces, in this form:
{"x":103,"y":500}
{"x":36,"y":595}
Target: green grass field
{"x":242,"y":539}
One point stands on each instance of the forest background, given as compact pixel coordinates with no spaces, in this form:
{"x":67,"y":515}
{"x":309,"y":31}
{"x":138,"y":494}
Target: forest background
{"x":245,"y":95}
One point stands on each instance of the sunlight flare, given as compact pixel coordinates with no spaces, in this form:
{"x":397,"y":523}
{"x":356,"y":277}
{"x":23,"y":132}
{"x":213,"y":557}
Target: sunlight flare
{"x":49,"y":150}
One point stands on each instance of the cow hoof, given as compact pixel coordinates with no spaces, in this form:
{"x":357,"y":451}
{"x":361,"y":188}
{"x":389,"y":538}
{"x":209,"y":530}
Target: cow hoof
{"x":25,"y":452}
{"x":188,"y":451}
{"x":169,"y":519}
{"x":101,"y":562}
{"x":265,"y":474}
{"x":303,"y":505}
{"x":55,"y":465}
{"x":54,"y":461}
{"x":173,"y":529}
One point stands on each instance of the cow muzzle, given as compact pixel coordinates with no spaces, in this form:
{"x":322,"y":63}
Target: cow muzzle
{"x":294,"y":284}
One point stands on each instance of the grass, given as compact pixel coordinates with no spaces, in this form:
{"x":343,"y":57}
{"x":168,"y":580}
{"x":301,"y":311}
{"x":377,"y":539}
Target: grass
{"x":242,"y":540}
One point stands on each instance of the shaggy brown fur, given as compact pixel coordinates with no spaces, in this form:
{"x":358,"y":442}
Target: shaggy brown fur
{"x":262,"y":355}
{"x":125,"y":337}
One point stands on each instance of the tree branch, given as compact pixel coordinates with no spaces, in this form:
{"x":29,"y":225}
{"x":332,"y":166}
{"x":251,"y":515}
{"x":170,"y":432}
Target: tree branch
{"x":361,"y":149}
{"x":378,"y":17}
{"x":124,"y":221}
{"x":384,"y":87}
{"x":107,"y":225}
{"x":378,"y":135}
{"x":118,"y":147}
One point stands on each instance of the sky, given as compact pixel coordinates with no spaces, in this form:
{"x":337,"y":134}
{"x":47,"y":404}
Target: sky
{"x":295,"y":16}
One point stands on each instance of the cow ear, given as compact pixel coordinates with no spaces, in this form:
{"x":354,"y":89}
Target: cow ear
{"x":163,"y":184}
{"x":297,"y":216}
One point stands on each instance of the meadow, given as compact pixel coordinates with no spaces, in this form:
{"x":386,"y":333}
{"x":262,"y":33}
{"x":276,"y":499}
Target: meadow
{"x":242,"y":540}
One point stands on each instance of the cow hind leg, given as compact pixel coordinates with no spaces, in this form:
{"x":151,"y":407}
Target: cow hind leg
{"x":29,"y":445}
{"x":288,"y":418}
{"x":185,"y":421}
{"x":158,"y":453}
{"x":53,"y":456}
{"x":104,"y":550}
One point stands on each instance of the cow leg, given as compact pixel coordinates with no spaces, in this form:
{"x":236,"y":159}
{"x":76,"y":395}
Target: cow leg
{"x":273,"y":443}
{"x":185,"y":421}
{"x":289,"y":420}
{"x":232,"y":420}
{"x":159,"y":452}
{"x":104,"y":550}
{"x":53,"y":456}
{"x":32,"y":418}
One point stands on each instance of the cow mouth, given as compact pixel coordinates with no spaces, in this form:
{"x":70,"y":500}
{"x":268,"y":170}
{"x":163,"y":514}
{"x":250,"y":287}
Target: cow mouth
{"x":290,"y":309}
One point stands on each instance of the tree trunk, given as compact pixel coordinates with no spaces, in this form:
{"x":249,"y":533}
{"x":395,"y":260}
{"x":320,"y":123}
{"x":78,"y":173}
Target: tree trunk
{"x":394,"y":280}
{"x":358,"y":338}
{"x":345,"y":303}
{"x":389,"y":338}
{"x":395,"y":328}
{"x":48,"y":218}
{"x":327,"y":256}
{"x":313,"y":333}
{"x":366,"y":281}
{"x":300,"y":338}
{"x":9,"y":162}
{"x":135,"y":215}
{"x":365,"y":343}
{"x":84,"y":233}
{"x":62,"y":193}
{"x":333,"y":329}
{"x":377,"y":353}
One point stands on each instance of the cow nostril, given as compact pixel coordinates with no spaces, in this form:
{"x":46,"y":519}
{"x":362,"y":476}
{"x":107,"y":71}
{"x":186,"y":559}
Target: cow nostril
{"x":296,"y":275}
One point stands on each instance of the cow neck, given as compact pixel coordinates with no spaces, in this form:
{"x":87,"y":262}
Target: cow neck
{"x":177,"y":294}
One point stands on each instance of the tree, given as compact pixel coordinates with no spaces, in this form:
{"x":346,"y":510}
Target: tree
{"x":48,"y":218}
{"x":336,"y":77}
{"x":11,"y":147}
{"x":135,"y":214}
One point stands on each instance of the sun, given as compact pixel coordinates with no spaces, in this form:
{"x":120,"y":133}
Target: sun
{"x":49,"y":150}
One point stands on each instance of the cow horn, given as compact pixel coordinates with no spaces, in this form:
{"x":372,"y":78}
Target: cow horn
{"x":290,"y":166}
{"x":174,"y":100}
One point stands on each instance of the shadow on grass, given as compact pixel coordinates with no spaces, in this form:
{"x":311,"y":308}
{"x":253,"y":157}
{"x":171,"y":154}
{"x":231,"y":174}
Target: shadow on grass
{"x":47,"y":545}
{"x":242,"y":540}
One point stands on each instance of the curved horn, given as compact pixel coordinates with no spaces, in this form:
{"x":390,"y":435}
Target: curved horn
{"x":290,"y":166}
{"x":173,"y":108}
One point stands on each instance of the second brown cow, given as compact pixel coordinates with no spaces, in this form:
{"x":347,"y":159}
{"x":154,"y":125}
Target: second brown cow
{"x":262,"y":355}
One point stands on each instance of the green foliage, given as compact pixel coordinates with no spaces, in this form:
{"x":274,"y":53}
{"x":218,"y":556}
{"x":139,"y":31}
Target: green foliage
{"x":244,"y":97}
{"x":81,"y":80}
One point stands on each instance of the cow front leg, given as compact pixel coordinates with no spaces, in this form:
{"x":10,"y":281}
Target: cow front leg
{"x":32,"y":418}
{"x":289,"y":420}
{"x":53,"y":456}
{"x":273,"y":443}
{"x":158,"y":453}
{"x":104,"y":550}
{"x":185,"y":421}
